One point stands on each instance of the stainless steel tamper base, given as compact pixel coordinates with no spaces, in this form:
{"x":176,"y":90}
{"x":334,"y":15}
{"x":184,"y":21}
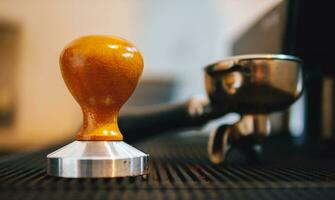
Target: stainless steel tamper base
{"x":94,"y":159}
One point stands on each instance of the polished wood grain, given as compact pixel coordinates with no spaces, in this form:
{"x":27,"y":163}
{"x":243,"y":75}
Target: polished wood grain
{"x":101,"y":73}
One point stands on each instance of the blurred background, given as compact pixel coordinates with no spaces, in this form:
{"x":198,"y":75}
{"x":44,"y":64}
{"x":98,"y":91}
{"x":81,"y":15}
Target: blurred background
{"x":176,"y":38}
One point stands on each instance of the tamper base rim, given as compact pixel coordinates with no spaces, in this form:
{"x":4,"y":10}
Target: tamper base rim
{"x":97,"y":159}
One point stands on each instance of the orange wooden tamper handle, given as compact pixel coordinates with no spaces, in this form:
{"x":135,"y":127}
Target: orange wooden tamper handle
{"x":101,"y":73}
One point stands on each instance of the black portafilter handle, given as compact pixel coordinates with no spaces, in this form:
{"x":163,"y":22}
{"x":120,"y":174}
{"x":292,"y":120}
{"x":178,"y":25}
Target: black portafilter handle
{"x":154,"y":120}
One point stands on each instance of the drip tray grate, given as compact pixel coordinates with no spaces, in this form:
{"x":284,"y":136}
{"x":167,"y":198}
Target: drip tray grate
{"x":179,"y":169}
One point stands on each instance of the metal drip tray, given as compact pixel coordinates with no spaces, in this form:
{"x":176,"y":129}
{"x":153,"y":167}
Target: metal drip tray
{"x":179,"y":169}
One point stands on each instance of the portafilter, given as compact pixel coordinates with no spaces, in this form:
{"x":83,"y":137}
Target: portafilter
{"x":251,"y":85}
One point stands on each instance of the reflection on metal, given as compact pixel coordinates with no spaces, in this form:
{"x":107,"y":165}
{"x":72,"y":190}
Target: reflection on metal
{"x":89,"y":159}
{"x":232,"y":82}
{"x":297,"y":117}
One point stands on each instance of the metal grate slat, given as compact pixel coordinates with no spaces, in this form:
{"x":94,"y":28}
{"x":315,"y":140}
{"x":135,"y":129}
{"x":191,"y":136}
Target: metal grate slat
{"x":179,"y":169}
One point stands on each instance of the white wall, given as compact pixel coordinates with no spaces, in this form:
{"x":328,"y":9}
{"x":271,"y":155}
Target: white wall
{"x":177,"y":39}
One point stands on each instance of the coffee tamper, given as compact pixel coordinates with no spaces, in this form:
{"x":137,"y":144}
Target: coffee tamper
{"x":101,"y":73}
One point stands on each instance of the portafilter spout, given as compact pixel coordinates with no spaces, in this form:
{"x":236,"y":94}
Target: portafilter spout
{"x":250,"y":130}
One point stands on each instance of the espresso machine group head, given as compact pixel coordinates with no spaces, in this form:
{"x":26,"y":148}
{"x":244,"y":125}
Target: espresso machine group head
{"x":101,"y":73}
